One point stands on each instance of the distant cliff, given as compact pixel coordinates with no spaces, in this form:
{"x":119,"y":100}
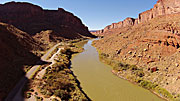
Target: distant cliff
{"x":33,"y":19}
{"x":162,"y":7}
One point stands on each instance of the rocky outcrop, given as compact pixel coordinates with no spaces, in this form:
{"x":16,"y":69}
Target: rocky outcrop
{"x":33,"y":19}
{"x":127,"y":22}
{"x":47,"y":37}
{"x":162,"y":7}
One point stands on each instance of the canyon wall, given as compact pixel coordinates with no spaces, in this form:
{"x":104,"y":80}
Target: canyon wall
{"x":33,"y":19}
{"x":162,"y":7}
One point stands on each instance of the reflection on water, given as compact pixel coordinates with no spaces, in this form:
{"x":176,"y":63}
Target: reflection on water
{"x":100,"y":84}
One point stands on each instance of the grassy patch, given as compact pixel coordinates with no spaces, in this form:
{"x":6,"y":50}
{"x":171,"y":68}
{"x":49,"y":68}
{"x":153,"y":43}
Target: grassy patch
{"x":118,"y":66}
{"x":163,"y":92}
{"x":135,"y":75}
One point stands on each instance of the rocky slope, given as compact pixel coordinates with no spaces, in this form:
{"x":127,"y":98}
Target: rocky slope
{"x":47,"y":38}
{"x":38,"y":30}
{"x":33,"y":19}
{"x":162,"y":7}
{"x":153,"y":44}
{"x":15,"y":52}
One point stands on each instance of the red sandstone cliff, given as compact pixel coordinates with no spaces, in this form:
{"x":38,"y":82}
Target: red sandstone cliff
{"x":152,"y":42}
{"x":162,"y":7}
{"x":150,"y":45}
{"x":33,"y":19}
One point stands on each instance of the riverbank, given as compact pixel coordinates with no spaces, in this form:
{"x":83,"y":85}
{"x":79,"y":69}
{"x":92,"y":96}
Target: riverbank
{"x":59,"y":81}
{"x":100,"y":84}
{"x":147,"y":83}
{"x":134,"y":75}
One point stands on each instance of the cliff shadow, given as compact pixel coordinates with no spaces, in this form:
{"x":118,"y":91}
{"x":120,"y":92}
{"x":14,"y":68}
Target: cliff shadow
{"x":12,"y":75}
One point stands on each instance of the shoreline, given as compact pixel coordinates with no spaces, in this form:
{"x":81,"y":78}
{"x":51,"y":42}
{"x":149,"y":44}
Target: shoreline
{"x":155,"y":93}
{"x":135,"y":83}
{"x":71,"y":71}
{"x":76,"y":79}
{"x":79,"y":86}
{"x":61,"y":69}
{"x":105,"y":60}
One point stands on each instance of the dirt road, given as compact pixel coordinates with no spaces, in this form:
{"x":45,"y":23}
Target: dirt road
{"x":16,"y":93}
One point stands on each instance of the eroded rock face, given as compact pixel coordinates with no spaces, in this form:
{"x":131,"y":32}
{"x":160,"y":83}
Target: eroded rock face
{"x":125,"y":23}
{"x":153,"y":46}
{"x":33,"y":19}
{"x":162,"y":7}
{"x":152,"y":42}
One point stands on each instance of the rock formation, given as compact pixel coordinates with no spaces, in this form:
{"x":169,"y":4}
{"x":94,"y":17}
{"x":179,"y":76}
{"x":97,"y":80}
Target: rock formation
{"x":162,"y":7}
{"x":47,"y":37}
{"x":36,"y":29}
{"x":152,"y":42}
{"x":33,"y":19}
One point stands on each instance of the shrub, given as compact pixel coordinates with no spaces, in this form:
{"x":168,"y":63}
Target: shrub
{"x":117,"y":68}
{"x":147,"y":84}
{"x":57,"y":66}
{"x":62,"y":94}
{"x":58,"y":93}
{"x":139,"y":73}
{"x":66,"y":51}
{"x":49,"y":93}
{"x":104,"y":55}
{"x":54,"y":99}
{"x":133,"y":67}
{"x":32,"y":90}
{"x":43,"y":91}
{"x":164,"y":92}
{"x":125,"y":67}
{"x":28,"y":95}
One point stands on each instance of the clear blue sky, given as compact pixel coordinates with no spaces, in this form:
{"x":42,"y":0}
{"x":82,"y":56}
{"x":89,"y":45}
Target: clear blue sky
{"x":96,"y":14}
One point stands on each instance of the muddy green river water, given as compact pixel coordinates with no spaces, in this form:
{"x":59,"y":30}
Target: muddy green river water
{"x":100,"y":84}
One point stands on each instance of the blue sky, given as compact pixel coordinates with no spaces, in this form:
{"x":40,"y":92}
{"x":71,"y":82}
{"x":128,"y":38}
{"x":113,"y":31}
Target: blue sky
{"x":96,"y":14}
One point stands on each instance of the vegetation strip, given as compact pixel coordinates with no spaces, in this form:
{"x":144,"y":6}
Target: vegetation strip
{"x":58,"y":81}
{"x":135,"y":75}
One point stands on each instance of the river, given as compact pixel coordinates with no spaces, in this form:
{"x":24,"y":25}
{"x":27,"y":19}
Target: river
{"x":100,"y":84}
